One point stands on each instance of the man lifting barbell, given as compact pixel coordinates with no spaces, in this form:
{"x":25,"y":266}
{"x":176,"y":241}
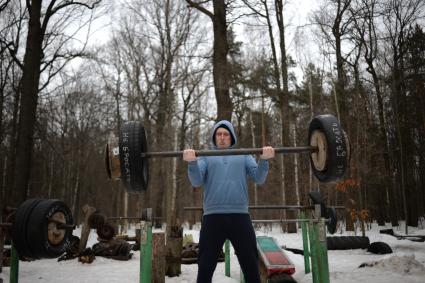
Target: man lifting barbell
{"x":226,"y":202}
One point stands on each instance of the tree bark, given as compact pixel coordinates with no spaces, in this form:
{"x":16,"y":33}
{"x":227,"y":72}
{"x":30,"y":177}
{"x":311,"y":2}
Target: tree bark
{"x":220,"y":51}
{"x":28,"y":88}
{"x":220,"y":70}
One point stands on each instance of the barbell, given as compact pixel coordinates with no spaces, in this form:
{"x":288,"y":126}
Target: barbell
{"x":41,"y":228}
{"x":127,"y":156}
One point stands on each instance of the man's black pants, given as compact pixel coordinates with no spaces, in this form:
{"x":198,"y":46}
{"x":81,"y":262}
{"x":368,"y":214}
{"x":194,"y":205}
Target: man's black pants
{"x":215,"y":229}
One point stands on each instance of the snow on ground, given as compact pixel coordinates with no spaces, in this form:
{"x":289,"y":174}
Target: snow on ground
{"x":405,"y":264}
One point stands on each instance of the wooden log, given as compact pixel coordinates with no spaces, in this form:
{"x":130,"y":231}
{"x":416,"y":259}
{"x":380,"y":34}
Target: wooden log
{"x":158,"y":257}
{"x":174,"y":251}
{"x":85,"y":229}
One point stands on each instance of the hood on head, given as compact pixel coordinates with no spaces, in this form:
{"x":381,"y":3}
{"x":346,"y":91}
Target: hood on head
{"x":224,"y":124}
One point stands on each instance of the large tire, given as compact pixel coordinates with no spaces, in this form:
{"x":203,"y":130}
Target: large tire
{"x":46,"y":240}
{"x":19,"y":228}
{"x":331,"y":216}
{"x":336,"y":148}
{"x":134,"y":168}
{"x":347,"y":242}
{"x":96,"y":220}
{"x":379,"y":248}
{"x":106,"y":231}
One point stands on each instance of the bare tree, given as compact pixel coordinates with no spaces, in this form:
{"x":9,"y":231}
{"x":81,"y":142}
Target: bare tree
{"x":398,"y":17}
{"x":281,"y":95}
{"x":220,"y":51}
{"x":335,"y":23}
{"x":35,"y":55}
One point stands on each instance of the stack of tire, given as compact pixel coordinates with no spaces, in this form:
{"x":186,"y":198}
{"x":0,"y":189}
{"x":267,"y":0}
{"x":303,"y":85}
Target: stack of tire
{"x":32,"y":234}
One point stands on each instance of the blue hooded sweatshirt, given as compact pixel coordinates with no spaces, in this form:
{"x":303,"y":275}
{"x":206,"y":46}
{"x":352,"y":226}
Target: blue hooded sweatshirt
{"x":225,"y":177}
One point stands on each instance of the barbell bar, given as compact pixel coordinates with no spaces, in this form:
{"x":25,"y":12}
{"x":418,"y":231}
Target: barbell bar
{"x":225,"y":152}
{"x":127,"y":155}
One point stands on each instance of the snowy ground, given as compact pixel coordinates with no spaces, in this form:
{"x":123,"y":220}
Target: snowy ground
{"x":406,"y":264}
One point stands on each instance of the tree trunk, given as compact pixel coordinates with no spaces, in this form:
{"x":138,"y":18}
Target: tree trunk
{"x":174,"y":250}
{"x":28,"y":88}
{"x":220,"y":70}
{"x":251,"y":123}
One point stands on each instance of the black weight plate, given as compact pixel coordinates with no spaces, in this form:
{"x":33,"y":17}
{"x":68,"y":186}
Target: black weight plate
{"x":134,"y":168}
{"x":106,"y":231}
{"x":316,"y":198}
{"x":96,"y":219}
{"x":332,"y":220}
{"x":336,"y":161}
{"x":38,"y":229}
{"x":19,"y":228}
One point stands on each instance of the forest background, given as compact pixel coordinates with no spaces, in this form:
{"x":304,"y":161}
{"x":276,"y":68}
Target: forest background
{"x":178,"y":66}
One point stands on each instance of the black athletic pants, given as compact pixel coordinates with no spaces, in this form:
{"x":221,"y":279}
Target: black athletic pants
{"x":215,"y":229}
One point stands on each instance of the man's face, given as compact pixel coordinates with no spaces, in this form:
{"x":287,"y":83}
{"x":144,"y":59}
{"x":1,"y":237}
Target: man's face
{"x":222,"y":138}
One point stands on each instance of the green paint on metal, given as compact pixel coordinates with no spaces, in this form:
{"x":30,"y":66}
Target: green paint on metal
{"x":267,"y":244}
{"x":313,"y":247}
{"x":227,"y":258}
{"x":146,"y":253}
{"x":14,"y":266}
{"x":305,"y":244}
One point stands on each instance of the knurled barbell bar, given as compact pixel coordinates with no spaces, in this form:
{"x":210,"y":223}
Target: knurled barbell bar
{"x":41,"y":228}
{"x":126,"y":158}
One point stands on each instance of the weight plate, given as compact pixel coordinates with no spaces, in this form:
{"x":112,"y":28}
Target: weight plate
{"x":336,"y":150}
{"x":47,"y":241}
{"x":96,"y":219}
{"x":19,"y":228}
{"x":134,"y":168}
{"x":332,"y":220}
{"x":106,"y":231}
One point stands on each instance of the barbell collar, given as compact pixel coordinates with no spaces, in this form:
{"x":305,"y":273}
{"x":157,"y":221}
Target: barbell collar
{"x":238,"y":151}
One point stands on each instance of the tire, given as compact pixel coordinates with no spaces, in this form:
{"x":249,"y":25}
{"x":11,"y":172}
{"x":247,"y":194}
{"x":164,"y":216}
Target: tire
{"x":336,"y":150}
{"x":96,"y":220}
{"x":332,"y":224}
{"x":330,"y":243}
{"x":364,"y":242}
{"x":347,"y":242}
{"x":20,"y":225}
{"x":106,"y":231}
{"x":134,"y":168}
{"x":42,"y":245}
{"x":340,"y":243}
{"x":379,"y":248}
